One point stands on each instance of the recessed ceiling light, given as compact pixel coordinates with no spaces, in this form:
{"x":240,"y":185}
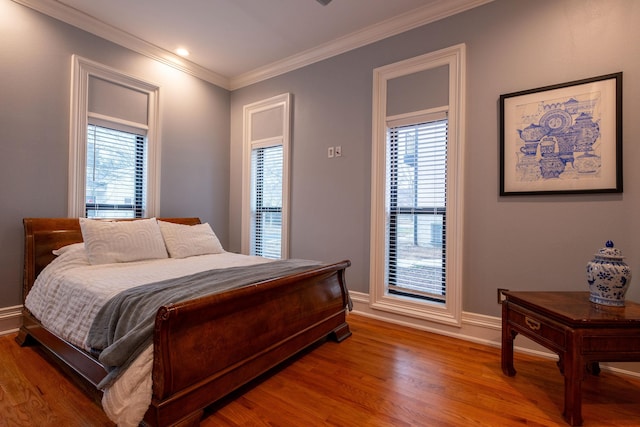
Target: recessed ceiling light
{"x":182,"y":51}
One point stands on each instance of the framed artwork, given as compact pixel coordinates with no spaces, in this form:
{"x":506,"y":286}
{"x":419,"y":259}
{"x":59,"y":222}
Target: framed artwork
{"x":563,"y":139}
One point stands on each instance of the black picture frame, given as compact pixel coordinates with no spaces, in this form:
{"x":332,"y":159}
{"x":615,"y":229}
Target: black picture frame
{"x":562,"y":139}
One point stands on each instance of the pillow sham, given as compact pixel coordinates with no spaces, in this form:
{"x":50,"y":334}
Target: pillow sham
{"x":122,"y":241}
{"x":183,"y":241}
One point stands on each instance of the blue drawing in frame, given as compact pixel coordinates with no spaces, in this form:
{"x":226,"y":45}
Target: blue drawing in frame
{"x":562,"y":139}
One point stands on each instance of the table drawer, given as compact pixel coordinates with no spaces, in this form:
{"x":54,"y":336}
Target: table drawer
{"x":543,"y":331}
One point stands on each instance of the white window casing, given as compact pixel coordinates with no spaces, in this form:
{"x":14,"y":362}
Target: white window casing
{"x":145,"y":120}
{"x":266,"y":124}
{"x":449,"y":312}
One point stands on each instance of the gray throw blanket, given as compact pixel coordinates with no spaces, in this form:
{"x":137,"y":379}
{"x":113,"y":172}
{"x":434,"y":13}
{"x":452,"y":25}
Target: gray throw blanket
{"x":123,"y":327}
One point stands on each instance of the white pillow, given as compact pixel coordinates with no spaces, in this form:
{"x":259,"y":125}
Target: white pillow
{"x":122,"y":241}
{"x":189,"y":240}
{"x":68,"y":248}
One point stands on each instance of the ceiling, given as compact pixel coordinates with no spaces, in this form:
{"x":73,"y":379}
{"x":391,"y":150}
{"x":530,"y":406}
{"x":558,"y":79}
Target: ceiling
{"x":233,"y":43}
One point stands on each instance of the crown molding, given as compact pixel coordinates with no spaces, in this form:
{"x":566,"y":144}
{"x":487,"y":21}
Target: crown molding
{"x":78,"y":19}
{"x":433,"y":12}
{"x":390,"y":27}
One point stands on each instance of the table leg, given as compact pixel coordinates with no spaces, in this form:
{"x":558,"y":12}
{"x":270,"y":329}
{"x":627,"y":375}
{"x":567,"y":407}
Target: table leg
{"x":593,"y":368}
{"x":508,"y":335}
{"x":574,"y":370}
{"x":560,"y":363}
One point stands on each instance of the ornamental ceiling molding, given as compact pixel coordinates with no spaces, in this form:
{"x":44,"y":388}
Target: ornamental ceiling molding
{"x":390,"y":27}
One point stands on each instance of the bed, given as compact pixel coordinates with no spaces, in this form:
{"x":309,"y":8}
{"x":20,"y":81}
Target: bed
{"x":203,"y":348}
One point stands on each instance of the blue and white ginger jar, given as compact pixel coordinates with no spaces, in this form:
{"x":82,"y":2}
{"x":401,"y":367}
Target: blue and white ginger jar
{"x":608,"y":276}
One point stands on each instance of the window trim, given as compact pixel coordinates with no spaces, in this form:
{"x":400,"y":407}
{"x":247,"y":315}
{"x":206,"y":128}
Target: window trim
{"x":451,"y":311}
{"x":248,"y":144}
{"x":82,"y":70}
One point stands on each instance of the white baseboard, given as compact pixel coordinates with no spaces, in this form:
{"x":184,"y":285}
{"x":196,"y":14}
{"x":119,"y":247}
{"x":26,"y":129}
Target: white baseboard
{"x":477,"y":328}
{"x":10,"y":319}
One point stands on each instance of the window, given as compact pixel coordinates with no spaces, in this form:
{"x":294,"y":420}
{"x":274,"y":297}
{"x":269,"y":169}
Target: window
{"x":266,"y":178}
{"x":115,"y":178}
{"x":114,"y":144}
{"x":266,"y":201}
{"x":417,"y":194}
{"x":416,"y":203}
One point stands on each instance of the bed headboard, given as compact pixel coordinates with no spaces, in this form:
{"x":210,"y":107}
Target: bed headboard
{"x":43,"y":235}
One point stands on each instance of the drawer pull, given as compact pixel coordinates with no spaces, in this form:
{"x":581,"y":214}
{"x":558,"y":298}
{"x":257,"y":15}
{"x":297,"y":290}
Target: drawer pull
{"x":532,"y":324}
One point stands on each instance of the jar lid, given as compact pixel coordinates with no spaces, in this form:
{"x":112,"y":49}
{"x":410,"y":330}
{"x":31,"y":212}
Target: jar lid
{"x":609,"y":251}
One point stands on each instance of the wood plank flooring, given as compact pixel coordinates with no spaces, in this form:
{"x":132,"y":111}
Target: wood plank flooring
{"x":384,"y":375}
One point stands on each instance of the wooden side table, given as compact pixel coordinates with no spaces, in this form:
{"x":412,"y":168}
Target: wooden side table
{"x":580,"y":332}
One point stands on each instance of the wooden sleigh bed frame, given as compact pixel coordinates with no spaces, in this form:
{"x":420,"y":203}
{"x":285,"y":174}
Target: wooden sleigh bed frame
{"x":301,"y":309}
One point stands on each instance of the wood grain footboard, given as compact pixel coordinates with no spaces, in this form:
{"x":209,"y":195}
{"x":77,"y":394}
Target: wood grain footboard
{"x":206,"y":348}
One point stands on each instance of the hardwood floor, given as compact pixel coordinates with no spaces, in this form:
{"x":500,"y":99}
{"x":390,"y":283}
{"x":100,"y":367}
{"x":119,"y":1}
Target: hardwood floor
{"x":384,"y":375}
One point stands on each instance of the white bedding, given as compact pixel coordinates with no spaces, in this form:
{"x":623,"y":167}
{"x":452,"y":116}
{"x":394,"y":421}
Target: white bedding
{"x":70,"y":277}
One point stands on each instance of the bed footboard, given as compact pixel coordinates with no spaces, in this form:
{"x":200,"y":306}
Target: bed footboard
{"x":208,"y":347}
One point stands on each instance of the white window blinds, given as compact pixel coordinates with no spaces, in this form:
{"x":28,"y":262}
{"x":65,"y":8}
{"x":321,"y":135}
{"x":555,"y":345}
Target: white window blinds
{"x":266,"y":201}
{"x":115,"y":173}
{"x":416,"y":208}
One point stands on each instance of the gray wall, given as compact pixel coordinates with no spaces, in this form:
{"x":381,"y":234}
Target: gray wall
{"x":35,"y":75}
{"x":519,"y":243}
{"x":530,"y":243}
